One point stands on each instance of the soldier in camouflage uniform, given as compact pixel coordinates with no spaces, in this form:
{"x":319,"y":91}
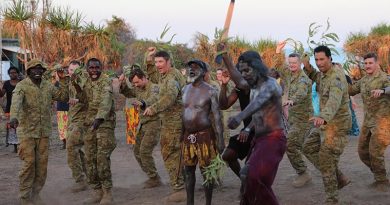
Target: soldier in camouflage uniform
{"x":31,"y":113}
{"x":99,"y":139}
{"x":76,"y":130}
{"x":169,"y":107}
{"x":375,"y":137}
{"x":299,"y":112}
{"x":333,"y":122}
{"x":149,"y":131}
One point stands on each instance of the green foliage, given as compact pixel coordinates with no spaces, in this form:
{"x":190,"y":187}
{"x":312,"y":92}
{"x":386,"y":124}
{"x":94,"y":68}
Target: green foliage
{"x":325,"y":38}
{"x":352,"y":37}
{"x":381,"y":29}
{"x":215,"y":171}
{"x":19,"y":11}
{"x":297,"y":46}
{"x":262,"y":44}
{"x":64,"y":18}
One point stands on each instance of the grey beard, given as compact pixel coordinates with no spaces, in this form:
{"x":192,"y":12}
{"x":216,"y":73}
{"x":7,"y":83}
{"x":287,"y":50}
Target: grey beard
{"x":192,"y":79}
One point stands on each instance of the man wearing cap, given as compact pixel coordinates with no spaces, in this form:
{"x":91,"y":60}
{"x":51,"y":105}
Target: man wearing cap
{"x":169,"y":108}
{"x":200,"y":140}
{"x":31,"y":113}
{"x":148,"y":134}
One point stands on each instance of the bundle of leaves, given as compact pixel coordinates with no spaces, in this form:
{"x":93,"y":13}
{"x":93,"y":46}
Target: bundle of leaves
{"x":214,"y":172}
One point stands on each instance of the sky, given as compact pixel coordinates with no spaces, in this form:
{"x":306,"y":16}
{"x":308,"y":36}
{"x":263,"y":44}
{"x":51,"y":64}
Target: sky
{"x":252,"y":19}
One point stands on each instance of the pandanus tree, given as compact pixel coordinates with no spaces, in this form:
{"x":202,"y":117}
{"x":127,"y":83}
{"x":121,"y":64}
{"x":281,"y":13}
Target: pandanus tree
{"x":17,"y":23}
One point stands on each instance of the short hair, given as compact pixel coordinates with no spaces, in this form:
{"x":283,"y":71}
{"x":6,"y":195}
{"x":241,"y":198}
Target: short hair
{"x":220,"y":68}
{"x":136,"y":72}
{"x":371,"y":55}
{"x":75,"y":62}
{"x":294,"y":55}
{"x":93,"y":60}
{"x":163,"y":54}
{"x":12,"y":68}
{"x":253,"y":59}
{"x":324,"y":49}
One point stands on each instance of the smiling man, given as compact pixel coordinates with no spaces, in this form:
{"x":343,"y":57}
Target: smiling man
{"x":333,"y":122}
{"x":200,"y":140}
{"x":375,"y":137}
{"x":31,"y":114}
{"x":99,"y":139}
{"x":148,"y":134}
{"x":299,"y":111}
{"x":169,"y":108}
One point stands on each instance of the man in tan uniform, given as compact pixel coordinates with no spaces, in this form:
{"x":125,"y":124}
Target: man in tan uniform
{"x":169,"y":107}
{"x":300,"y":110}
{"x":148,"y":134}
{"x":375,"y":135}
{"x":31,"y":114}
{"x":333,"y":122}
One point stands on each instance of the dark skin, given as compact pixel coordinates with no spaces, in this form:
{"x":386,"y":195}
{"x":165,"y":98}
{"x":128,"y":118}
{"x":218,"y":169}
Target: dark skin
{"x":94,"y":70}
{"x":265,"y":106}
{"x":13,"y":75}
{"x":226,"y":102}
{"x":35,"y":74}
{"x":199,"y":99}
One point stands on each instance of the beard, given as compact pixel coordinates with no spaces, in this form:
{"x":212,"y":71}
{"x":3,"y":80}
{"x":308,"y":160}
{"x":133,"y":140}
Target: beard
{"x":191,"y":79}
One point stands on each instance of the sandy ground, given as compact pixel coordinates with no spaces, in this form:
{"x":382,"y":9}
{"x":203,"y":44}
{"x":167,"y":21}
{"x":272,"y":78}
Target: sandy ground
{"x":128,"y":177}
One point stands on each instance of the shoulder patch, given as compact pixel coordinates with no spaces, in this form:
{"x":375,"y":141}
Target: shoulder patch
{"x":155,"y":89}
{"x":338,"y":83}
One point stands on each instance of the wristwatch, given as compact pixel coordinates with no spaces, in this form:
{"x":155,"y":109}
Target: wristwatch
{"x":247,"y":129}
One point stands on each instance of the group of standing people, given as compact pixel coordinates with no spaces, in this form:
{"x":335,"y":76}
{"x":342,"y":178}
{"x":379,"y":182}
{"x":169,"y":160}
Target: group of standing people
{"x":184,"y":114}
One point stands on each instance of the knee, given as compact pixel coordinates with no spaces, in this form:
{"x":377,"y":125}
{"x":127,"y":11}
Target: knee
{"x":229,"y":155}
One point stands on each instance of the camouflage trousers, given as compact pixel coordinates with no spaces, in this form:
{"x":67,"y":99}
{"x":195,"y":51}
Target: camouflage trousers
{"x":296,"y":136}
{"x":325,"y":156}
{"x":35,"y":153}
{"x":75,"y":152}
{"x":145,"y":141}
{"x":373,"y":142}
{"x":98,"y":146}
{"x":171,"y":153}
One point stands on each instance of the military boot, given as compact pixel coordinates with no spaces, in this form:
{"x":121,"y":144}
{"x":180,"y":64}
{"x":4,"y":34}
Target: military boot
{"x":382,"y":186}
{"x":177,"y":196}
{"x":26,"y":202}
{"x":301,"y":179}
{"x":36,"y":199}
{"x":107,"y":197}
{"x":152,"y":182}
{"x":342,"y":180}
{"x":96,"y":196}
{"x":78,"y":186}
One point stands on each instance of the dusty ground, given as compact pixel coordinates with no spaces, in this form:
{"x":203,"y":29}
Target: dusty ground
{"x":127,"y":177}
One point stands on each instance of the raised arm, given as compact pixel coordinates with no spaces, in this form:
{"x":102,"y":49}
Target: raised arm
{"x":234,"y":73}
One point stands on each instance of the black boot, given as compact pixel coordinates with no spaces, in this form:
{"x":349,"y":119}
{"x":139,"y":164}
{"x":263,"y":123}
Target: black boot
{"x":15,"y":148}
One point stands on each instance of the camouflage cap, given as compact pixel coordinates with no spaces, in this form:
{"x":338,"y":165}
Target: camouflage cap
{"x":200,"y":63}
{"x":34,"y":62}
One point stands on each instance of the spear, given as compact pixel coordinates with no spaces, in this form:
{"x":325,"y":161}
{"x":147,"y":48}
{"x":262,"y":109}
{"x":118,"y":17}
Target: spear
{"x":218,"y":59}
